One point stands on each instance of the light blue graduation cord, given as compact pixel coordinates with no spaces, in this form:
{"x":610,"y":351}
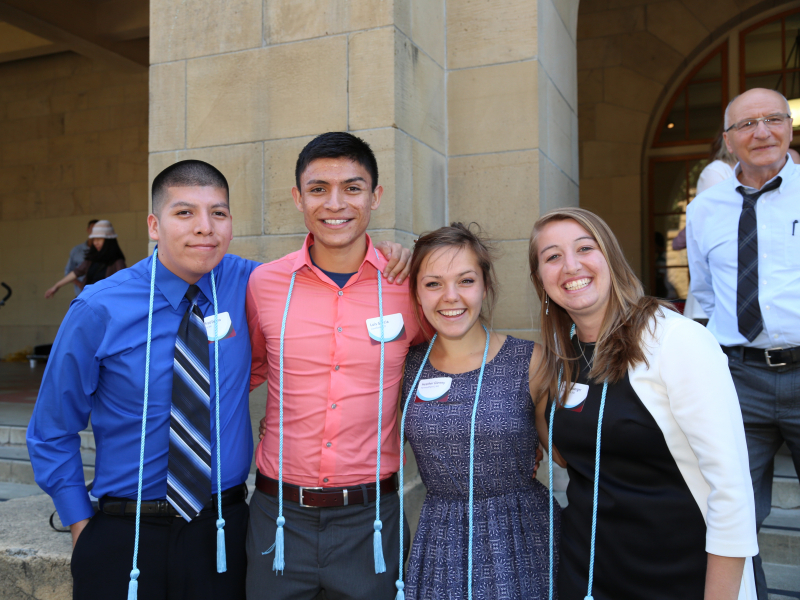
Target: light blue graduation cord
{"x":399,"y":583}
{"x":133,"y":585}
{"x":596,"y":479}
{"x":279,"y":563}
{"x":377,"y":541}
{"x":222,"y":563}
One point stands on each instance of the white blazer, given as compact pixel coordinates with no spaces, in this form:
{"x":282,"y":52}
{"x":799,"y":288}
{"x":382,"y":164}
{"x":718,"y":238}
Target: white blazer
{"x":688,"y":389}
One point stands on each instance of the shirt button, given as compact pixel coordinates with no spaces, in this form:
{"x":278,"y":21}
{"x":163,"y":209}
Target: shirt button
{"x":339,"y":329}
{"x":341,"y":292}
{"x":328,"y":445}
{"x":333,"y":406}
{"x":325,"y":480}
{"x":763,"y":281}
{"x":767,"y":307}
{"x":775,"y":336}
{"x":336,"y":368}
{"x":765,"y":256}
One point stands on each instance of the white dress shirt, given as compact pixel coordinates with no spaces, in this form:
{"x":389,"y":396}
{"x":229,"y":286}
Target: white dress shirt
{"x":712,"y":242}
{"x":686,"y":386}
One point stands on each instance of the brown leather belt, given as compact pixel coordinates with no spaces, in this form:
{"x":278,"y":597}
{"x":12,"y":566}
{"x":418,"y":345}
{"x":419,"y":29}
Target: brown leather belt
{"x":162,"y":508}
{"x":318,"y":497}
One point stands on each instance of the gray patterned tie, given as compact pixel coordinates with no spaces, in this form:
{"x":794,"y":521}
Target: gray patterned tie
{"x":189,"y":467}
{"x":748,"y":311}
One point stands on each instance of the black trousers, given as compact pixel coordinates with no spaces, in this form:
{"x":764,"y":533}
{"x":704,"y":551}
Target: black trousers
{"x":177,"y":559}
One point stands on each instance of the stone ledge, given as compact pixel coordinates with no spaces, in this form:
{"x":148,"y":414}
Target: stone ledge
{"x":34,"y":559}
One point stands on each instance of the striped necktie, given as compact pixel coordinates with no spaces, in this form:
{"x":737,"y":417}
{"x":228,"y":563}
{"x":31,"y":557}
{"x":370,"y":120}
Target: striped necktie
{"x":189,"y":468}
{"x":748,"y":311}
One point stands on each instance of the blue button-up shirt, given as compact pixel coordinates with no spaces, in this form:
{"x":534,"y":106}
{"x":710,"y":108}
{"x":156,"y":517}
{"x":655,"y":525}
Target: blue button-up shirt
{"x":97,"y":368}
{"x":712,"y":234}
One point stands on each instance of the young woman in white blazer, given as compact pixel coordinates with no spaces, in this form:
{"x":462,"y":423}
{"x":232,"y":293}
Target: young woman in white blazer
{"x":644,"y":398}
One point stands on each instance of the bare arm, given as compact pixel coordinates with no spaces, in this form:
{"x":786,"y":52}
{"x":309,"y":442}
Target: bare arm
{"x":60,"y":283}
{"x":723,"y":577}
{"x":76,"y":528}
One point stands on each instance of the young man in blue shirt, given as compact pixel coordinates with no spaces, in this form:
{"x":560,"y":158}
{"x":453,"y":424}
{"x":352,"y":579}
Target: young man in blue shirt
{"x":97,"y":367}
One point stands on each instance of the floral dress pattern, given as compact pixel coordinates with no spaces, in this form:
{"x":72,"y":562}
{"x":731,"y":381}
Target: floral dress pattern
{"x":511,"y":518}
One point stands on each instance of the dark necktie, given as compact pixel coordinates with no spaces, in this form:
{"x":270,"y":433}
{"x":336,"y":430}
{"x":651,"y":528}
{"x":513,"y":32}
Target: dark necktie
{"x":748,"y":312}
{"x":189,"y":468}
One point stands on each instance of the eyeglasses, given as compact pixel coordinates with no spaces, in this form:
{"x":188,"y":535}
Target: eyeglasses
{"x":749,"y":125}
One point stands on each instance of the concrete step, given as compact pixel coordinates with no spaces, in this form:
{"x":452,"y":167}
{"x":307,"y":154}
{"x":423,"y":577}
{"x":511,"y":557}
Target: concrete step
{"x":785,"y":492}
{"x":779,"y":545}
{"x":21,"y":471}
{"x":15,"y":435}
{"x":9,"y":491}
{"x":783,"y":581}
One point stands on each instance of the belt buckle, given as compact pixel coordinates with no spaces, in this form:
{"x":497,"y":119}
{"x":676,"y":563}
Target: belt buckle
{"x":769,"y":362}
{"x":300,"y":498}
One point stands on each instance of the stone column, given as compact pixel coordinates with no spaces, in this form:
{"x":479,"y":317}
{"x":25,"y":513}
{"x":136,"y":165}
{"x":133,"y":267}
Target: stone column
{"x":512,"y":130}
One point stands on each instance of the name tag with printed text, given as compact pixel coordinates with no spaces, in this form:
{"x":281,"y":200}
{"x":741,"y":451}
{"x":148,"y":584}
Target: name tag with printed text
{"x":435,"y":389}
{"x":577,"y":396}
{"x":224,"y":327}
{"x":393,"y":327}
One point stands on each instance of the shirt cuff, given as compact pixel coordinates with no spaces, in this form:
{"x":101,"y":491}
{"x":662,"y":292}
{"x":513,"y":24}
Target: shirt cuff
{"x":73,"y":504}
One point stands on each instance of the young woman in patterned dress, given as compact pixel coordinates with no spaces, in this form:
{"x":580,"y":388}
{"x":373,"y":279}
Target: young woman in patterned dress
{"x":453,"y":285}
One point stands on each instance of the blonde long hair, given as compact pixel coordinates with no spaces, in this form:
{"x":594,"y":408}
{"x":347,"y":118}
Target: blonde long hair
{"x":629,"y":312}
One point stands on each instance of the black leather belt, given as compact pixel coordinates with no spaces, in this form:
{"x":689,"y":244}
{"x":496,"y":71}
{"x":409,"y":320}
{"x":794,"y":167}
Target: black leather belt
{"x":772,"y":357}
{"x":162,"y":508}
{"x":318,"y":497}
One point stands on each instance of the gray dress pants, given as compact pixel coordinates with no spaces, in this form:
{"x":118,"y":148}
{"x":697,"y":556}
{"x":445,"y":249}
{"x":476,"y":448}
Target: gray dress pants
{"x":770,"y":402}
{"x":326,"y":550}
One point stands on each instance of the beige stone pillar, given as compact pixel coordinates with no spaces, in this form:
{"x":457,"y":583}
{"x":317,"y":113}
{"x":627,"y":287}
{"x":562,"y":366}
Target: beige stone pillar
{"x":512,"y":130}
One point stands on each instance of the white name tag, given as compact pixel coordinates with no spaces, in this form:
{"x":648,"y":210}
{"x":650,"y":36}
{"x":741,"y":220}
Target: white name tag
{"x":392,"y":327}
{"x":434,"y":389}
{"x":576,"y":395}
{"x":223,"y":326}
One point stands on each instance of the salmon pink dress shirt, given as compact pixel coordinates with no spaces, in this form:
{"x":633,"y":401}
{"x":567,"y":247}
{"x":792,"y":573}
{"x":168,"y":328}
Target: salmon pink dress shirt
{"x":331,"y":370}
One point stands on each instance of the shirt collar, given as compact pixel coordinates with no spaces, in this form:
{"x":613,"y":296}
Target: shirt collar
{"x":174,"y":288}
{"x":787,"y":173}
{"x":304,"y":257}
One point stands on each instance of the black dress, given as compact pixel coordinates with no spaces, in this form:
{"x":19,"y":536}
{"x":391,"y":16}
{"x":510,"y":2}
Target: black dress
{"x":651,"y":533}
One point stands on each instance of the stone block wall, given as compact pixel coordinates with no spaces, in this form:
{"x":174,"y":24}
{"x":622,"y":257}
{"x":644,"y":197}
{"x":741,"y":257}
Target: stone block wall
{"x":512,"y":131}
{"x":73,"y":146}
{"x":249,"y":102}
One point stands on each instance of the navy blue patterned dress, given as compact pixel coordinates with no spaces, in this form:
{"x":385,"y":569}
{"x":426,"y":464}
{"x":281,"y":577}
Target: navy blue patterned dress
{"x":511,"y":539}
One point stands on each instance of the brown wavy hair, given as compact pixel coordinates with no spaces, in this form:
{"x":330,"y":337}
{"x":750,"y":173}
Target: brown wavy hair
{"x":457,"y":235}
{"x":629,"y":313}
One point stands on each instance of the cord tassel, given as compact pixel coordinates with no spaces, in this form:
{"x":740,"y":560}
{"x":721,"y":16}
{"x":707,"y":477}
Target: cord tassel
{"x":133,"y":585}
{"x":279,"y":563}
{"x":377,"y":548}
{"x":401,"y":595}
{"x":222,"y":561}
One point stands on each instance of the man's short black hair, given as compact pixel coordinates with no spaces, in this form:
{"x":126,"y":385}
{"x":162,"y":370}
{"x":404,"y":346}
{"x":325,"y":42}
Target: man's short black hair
{"x":186,"y":173}
{"x":91,"y":223}
{"x":337,"y":144}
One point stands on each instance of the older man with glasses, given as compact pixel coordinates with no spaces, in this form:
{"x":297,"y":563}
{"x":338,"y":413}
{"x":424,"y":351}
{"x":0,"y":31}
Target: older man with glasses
{"x":744,"y":256}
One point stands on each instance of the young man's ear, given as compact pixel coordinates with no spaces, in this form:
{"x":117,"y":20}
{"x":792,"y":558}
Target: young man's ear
{"x":152,"y":227}
{"x":298,"y":198}
{"x":376,"y":197}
